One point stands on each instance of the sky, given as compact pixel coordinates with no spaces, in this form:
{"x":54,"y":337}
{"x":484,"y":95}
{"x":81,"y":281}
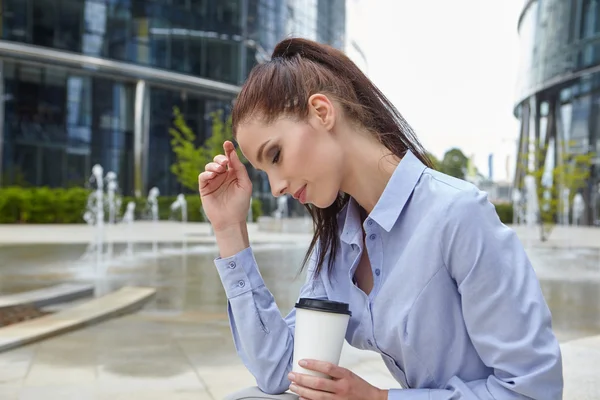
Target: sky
{"x":450,"y":68}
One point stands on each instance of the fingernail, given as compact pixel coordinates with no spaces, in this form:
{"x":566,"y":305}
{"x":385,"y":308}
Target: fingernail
{"x":293,"y":388}
{"x":302,"y":363}
{"x":291,"y":376}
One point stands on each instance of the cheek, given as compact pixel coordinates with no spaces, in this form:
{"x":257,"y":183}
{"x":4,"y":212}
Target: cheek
{"x":314,"y":159}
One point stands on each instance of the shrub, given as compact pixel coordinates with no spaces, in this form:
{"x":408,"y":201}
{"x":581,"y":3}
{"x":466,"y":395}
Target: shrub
{"x":505,"y":212}
{"x":42,"y":205}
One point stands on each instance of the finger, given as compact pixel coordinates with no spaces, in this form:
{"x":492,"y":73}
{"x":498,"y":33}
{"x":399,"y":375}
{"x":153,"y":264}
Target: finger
{"x":312,"y":394}
{"x":327,"y":368}
{"x":221,"y":159}
{"x":313,"y":382}
{"x":205,"y":176}
{"x":214,"y":167}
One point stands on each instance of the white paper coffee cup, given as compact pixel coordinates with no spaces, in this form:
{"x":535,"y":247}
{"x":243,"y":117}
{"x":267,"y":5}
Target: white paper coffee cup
{"x":320,"y":332}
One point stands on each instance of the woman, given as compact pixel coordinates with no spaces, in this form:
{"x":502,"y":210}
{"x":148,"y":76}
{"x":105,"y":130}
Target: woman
{"x":436,"y":283}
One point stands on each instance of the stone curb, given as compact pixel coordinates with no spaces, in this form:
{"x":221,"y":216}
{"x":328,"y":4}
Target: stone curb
{"x":47,"y":296}
{"x":123,"y":301}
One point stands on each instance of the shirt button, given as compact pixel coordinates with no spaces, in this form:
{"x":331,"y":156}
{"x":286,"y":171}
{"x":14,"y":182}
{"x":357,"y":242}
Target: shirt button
{"x":369,"y":342}
{"x":377,"y":272}
{"x":373,"y":236}
{"x":232,"y":264}
{"x":242,"y":283}
{"x":370,"y":222}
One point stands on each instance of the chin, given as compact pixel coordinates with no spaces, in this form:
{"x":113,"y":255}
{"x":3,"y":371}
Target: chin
{"x":325,"y":202}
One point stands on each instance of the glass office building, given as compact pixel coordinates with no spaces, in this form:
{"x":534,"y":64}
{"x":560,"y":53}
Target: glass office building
{"x":95,"y":81}
{"x":558,"y":92}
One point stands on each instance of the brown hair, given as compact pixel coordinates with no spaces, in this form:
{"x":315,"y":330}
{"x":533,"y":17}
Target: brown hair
{"x":282,"y":86}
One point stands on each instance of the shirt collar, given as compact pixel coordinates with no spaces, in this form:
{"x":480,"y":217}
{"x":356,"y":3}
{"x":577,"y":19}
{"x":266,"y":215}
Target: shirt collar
{"x":392,"y":200}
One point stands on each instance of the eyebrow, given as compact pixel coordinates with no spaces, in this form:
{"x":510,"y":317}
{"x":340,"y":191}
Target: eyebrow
{"x":260,"y":151}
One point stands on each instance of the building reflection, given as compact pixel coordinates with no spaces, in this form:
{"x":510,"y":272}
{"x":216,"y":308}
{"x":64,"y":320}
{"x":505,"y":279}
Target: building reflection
{"x":558,"y":92}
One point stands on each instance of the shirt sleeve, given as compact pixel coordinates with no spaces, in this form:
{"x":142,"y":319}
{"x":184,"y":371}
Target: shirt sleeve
{"x":504,"y":310}
{"x":263,"y":339}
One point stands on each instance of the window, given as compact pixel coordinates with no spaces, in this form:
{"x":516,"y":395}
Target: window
{"x":69,"y":34}
{"x":45,"y":22}
{"x":15,"y":20}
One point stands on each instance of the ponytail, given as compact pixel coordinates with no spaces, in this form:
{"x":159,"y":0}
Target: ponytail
{"x":300,"y":68}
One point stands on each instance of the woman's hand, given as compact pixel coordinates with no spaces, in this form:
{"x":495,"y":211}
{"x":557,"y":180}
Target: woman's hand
{"x":225,"y":190}
{"x":343,"y":385}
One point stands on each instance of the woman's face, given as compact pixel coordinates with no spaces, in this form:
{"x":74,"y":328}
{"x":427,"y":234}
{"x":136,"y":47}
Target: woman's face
{"x":302,"y":158}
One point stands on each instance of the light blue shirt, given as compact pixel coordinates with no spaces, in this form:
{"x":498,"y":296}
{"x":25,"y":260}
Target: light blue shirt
{"x":456,"y":310}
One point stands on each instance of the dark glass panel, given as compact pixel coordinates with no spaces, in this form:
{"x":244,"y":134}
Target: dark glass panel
{"x":14,"y":18}
{"x":44,"y":22}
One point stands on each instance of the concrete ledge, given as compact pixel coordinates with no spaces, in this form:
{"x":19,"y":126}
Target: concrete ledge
{"x":47,"y":296}
{"x":123,"y":301}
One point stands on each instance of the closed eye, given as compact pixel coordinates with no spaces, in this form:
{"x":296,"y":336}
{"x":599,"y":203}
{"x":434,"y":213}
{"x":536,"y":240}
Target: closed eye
{"x":276,"y":157}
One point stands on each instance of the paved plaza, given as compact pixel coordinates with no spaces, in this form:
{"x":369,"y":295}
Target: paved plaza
{"x":179,"y":345}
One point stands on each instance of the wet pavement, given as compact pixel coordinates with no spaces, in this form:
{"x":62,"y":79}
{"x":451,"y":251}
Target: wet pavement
{"x":179,"y":346}
{"x":188,"y":283}
{"x":570,"y":281}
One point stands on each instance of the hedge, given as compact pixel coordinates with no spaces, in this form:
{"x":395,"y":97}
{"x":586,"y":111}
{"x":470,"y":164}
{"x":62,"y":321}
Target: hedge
{"x":42,"y":205}
{"x":505,"y":212}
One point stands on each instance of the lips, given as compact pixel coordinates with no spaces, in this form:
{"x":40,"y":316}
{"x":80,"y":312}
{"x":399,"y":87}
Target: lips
{"x":301,"y":194}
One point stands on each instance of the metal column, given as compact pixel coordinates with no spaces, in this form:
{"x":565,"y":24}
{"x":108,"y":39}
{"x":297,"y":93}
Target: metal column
{"x":523,"y":146}
{"x":140,"y":139}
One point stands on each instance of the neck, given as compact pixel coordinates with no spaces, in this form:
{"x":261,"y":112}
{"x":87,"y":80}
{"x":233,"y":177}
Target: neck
{"x":369,"y":167}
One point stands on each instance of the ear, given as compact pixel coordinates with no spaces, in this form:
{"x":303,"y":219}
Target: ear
{"x":322,"y":111}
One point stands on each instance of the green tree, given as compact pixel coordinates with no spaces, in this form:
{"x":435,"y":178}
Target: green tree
{"x":190,"y":158}
{"x":454,"y":163}
{"x":571,"y":172}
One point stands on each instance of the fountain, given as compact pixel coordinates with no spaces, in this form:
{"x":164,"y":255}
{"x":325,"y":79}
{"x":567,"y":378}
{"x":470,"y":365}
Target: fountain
{"x":153,"y":204}
{"x":128,"y":218}
{"x":180,"y":204}
{"x":94,"y":214}
{"x":282,"y":207}
{"x":578,"y":208}
{"x":111,"y":189}
{"x":113,"y":201}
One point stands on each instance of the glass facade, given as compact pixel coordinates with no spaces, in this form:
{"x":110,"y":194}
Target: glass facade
{"x":198,"y":37}
{"x":558,"y":91}
{"x":60,"y":117}
{"x":57,"y":123}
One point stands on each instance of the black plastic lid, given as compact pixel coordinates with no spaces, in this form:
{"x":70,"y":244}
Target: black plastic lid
{"x":323,"y":305}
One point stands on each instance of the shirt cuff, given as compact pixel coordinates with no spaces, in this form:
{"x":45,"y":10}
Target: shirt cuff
{"x":239,"y":273}
{"x":409,"y":394}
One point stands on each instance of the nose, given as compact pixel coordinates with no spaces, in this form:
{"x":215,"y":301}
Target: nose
{"x":278,"y":188}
